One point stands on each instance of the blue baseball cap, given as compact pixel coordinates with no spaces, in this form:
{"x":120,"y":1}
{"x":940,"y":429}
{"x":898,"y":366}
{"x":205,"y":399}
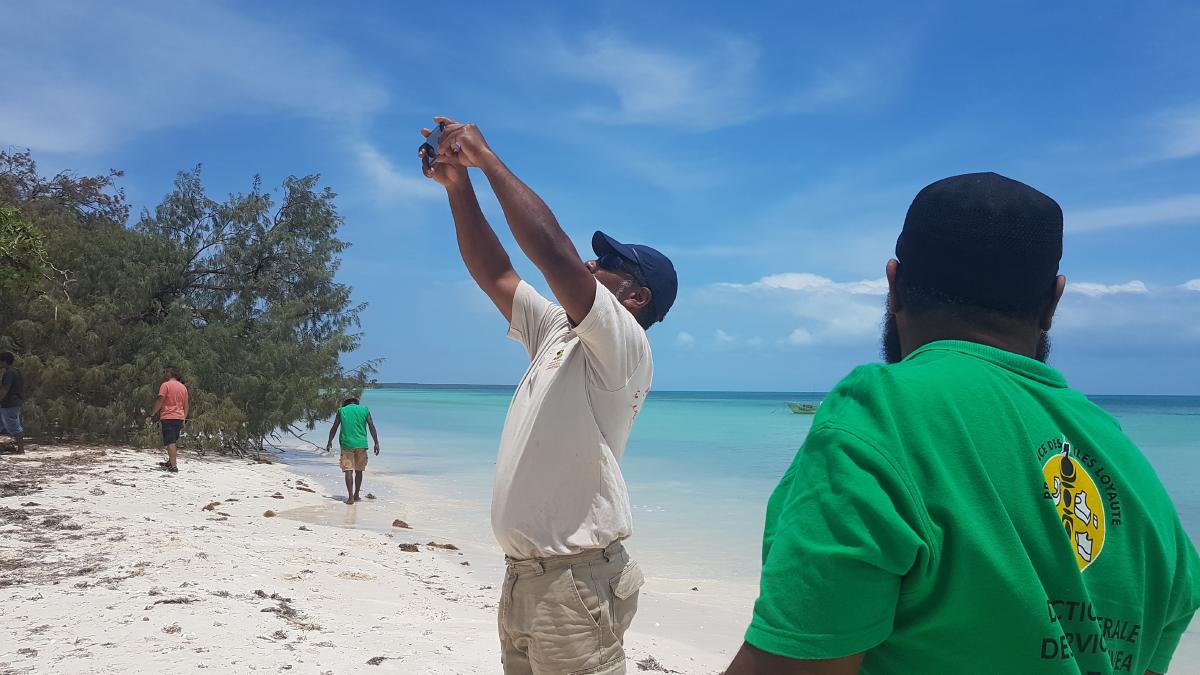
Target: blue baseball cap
{"x":656,"y":269}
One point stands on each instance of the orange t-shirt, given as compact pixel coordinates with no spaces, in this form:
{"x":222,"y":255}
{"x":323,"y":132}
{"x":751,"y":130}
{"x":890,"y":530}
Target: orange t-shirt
{"x":175,"y":398}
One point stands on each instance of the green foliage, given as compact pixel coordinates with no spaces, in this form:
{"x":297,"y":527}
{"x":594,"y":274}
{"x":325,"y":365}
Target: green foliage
{"x":239,"y":296}
{"x":22,"y":253}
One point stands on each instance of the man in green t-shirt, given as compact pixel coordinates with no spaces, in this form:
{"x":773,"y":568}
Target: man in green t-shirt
{"x":354,"y":420}
{"x":961,"y":509}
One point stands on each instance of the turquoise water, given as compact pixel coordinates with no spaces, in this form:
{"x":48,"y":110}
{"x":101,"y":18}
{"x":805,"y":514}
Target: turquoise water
{"x":700,"y":465}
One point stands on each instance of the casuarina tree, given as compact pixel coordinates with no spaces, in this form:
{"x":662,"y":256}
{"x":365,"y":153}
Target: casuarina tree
{"x":239,"y":295}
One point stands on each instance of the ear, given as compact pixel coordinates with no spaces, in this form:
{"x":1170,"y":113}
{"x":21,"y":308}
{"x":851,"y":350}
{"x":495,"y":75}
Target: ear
{"x":893,"y":272}
{"x":1059,"y":286}
{"x":637,"y":298}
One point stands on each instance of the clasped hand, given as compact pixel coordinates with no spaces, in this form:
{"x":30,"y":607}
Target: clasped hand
{"x":460,"y":145}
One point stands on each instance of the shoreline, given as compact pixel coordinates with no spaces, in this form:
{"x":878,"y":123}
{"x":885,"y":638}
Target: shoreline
{"x":108,"y":564}
{"x":703,"y":618}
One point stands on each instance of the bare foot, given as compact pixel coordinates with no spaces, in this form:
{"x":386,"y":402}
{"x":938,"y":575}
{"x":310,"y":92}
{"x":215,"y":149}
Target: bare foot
{"x":349,"y":501}
{"x":357,"y":498}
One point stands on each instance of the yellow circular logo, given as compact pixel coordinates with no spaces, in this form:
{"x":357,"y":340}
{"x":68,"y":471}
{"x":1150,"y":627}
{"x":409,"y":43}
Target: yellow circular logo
{"x":1079,"y":505}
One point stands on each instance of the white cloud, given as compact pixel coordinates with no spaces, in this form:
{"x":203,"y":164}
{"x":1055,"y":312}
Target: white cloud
{"x":685,"y":339}
{"x":91,"y":77}
{"x":806,"y":310}
{"x":1172,"y":210}
{"x":1178,"y":132}
{"x":390,"y":184}
{"x":812,"y":283}
{"x":1096,"y":290}
{"x":710,"y":84}
{"x":704,"y":91}
{"x":723,"y":338}
{"x":810,"y":312}
{"x":1125,"y":318}
{"x":800,"y":338}
{"x":832,"y":312}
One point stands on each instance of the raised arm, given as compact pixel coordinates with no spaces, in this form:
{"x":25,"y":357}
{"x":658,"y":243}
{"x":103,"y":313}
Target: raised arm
{"x":533,"y":225}
{"x":485,"y":257}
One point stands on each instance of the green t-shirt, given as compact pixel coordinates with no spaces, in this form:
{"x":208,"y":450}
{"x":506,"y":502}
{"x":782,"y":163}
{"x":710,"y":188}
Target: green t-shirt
{"x":925,"y":521}
{"x":353,"y":435}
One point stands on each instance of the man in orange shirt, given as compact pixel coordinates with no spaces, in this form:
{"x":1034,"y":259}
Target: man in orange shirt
{"x":171,"y":406}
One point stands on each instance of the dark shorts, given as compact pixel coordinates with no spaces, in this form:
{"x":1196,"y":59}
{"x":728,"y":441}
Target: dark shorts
{"x":170,"y":430}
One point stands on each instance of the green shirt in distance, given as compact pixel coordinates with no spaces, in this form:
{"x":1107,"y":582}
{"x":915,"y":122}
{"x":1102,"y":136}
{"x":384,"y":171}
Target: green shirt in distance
{"x":353,"y":435}
{"x":964,"y":511}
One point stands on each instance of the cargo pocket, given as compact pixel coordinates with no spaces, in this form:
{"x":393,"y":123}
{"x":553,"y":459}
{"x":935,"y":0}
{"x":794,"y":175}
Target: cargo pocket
{"x":565,"y":636}
{"x":625,"y":587}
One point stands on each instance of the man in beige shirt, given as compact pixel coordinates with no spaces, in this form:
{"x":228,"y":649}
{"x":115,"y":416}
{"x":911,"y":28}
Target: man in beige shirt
{"x":560,"y":507}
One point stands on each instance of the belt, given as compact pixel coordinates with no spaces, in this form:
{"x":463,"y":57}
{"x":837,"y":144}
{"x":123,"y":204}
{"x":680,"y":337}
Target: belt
{"x":540,"y":565}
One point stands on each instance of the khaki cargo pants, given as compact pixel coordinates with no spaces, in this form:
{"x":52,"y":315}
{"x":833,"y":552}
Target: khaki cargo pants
{"x":567,"y":615}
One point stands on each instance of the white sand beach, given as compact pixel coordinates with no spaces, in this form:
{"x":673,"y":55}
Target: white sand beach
{"x":108,"y":564}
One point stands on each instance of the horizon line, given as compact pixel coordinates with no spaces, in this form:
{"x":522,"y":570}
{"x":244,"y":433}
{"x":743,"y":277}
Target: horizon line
{"x":462,"y":385}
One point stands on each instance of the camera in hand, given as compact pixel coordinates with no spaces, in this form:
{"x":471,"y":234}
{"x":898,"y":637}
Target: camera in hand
{"x":430,"y":146}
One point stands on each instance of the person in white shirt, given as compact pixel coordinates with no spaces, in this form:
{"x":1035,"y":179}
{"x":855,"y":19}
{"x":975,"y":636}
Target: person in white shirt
{"x":560,"y":508}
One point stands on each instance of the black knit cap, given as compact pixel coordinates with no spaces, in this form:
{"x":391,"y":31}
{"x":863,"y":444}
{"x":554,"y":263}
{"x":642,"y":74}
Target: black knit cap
{"x":982,"y":239}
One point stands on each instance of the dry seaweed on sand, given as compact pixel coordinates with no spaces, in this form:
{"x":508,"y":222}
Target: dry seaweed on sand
{"x":650,"y":663}
{"x":176,"y":601}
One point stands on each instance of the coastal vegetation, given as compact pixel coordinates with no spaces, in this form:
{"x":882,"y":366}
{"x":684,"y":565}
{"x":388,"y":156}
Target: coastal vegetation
{"x":239,"y":295}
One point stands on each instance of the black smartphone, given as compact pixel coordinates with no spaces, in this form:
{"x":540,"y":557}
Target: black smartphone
{"x":430,"y":146}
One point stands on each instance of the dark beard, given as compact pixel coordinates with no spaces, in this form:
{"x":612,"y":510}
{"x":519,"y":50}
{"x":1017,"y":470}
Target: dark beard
{"x":889,"y":342}
{"x":1043,"y":348}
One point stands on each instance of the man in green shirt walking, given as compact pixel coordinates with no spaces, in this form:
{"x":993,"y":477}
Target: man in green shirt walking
{"x":354,"y":420}
{"x":961,"y":509}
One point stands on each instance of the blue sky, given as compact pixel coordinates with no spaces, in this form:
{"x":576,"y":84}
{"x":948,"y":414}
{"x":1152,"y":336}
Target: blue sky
{"x":771,"y":151}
